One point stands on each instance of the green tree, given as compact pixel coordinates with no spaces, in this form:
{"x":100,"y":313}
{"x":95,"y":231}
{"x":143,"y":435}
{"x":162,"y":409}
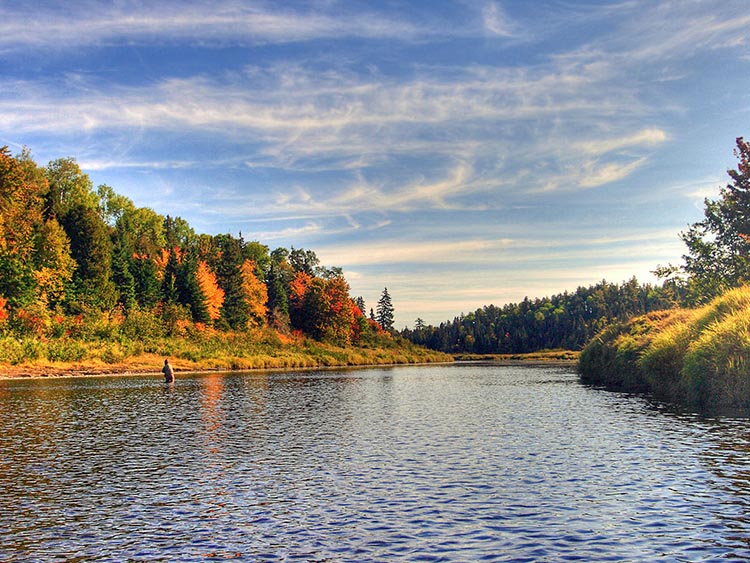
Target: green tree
{"x":91,"y":248}
{"x":69,"y":187}
{"x":228,"y":269}
{"x":718,"y":254}
{"x":304,"y":261}
{"x":188,"y":289}
{"x":122,"y":275}
{"x":169,"y":281}
{"x":385,"y":310}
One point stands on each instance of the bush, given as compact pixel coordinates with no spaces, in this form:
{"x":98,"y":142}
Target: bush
{"x":66,"y":350}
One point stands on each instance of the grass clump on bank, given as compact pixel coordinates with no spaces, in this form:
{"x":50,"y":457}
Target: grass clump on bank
{"x":698,"y":356}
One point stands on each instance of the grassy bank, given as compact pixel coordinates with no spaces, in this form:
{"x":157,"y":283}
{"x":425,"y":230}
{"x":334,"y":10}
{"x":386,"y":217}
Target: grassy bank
{"x":197,"y":351}
{"x":541,"y":357}
{"x":699,"y":357}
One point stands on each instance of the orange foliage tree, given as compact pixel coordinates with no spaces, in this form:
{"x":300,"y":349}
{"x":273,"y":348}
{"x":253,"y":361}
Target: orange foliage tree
{"x":210,"y":288}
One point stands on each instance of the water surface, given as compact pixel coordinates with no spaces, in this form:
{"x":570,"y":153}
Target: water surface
{"x":436,"y":463}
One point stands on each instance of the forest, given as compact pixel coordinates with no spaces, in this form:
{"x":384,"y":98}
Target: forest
{"x":564,"y":321}
{"x":84,"y":264}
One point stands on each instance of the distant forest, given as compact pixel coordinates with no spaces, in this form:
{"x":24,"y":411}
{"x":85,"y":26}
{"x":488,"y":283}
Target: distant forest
{"x":566,"y":321}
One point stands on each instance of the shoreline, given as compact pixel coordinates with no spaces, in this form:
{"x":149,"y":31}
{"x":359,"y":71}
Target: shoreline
{"x":39,"y":372}
{"x":152,"y":366}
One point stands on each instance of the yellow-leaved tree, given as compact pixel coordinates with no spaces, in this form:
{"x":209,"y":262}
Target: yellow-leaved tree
{"x":256,"y":294}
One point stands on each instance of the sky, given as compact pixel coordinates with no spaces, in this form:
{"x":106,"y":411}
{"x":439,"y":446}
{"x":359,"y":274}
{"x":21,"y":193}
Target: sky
{"x":460,"y":153}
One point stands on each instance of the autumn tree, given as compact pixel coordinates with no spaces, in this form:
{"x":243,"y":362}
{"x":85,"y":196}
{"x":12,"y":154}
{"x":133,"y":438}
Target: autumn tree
{"x":298,"y":287}
{"x":256,"y":294}
{"x":341,"y":316}
{"x":213,"y":294}
{"x":20,"y":211}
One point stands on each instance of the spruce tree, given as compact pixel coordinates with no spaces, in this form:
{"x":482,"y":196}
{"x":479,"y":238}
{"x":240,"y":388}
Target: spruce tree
{"x":385,"y":310}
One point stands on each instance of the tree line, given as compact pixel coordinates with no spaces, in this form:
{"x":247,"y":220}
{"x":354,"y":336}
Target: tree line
{"x":70,"y":253}
{"x":566,"y":320}
{"x":717,"y":259}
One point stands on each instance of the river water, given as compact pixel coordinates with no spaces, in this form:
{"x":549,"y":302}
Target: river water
{"x":430,"y":463}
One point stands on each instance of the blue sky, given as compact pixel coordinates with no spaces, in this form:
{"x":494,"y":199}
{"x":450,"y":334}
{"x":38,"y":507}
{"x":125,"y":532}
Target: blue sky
{"x":461,"y":153}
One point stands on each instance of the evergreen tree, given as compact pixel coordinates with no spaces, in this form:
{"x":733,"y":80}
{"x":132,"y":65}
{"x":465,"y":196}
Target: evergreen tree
{"x":91,"y":248}
{"x":229,"y":275}
{"x":385,"y":310}
{"x":360,"y":303}
{"x":146,"y":280}
{"x":169,"y":281}
{"x":188,"y":289}
{"x":122,"y":276}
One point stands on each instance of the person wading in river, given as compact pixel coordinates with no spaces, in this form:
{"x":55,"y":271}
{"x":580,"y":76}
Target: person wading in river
{"x":168,"y":372}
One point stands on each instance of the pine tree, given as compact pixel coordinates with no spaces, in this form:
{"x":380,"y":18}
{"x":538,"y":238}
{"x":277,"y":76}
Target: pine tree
{"x":189,"y":291}
{"x":360,"y":303}
{"x":385,"y":310}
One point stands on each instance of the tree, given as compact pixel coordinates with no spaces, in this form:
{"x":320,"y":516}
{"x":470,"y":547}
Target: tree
{"x":299,"y":316}
{"x":189,"y":291}
{"x":91,"y":247}
{"x":385,"y":310}
{"x":69,"y":187}
{"x":229,"y":276}
{"x":360,"y":303}
{"x":169,"y":277}
{"x":303,"y":261}
{"x":214,"y":295}
{"x":718,"y":255}
{"x":20,"y":211}
{"x":122,"y":275}
{"x":256,"y":294}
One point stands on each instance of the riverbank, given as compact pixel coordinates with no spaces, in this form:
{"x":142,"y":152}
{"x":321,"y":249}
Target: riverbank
{"x":698,"y":357}
{"x":543,"y":358}
{"x":263,"y":350}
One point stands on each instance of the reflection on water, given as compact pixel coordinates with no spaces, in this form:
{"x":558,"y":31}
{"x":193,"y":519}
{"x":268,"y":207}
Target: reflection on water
{"x":437,"y":463}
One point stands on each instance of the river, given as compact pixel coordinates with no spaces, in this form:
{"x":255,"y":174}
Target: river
{"x":474,"y":462}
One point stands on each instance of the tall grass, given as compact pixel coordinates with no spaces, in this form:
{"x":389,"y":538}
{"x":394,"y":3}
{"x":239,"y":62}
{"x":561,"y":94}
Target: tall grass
{"x":699,"y":356}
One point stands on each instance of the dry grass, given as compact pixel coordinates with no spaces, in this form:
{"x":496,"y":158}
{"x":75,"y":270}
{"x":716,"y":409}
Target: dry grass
{"x":699,"y":356}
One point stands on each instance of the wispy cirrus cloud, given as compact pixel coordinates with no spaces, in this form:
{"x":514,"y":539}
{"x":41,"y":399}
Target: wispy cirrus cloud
{"x":82,"y":24}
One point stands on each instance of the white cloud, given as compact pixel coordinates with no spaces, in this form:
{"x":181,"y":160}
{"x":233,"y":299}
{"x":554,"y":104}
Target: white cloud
{"x":597,"y":175}
{"x":496,"y":21}
{"x":644,"y":138}
{"x":213,"y":24}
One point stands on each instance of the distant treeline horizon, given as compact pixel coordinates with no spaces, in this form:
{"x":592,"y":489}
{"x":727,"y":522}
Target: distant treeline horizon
{"x":565,"y":320}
